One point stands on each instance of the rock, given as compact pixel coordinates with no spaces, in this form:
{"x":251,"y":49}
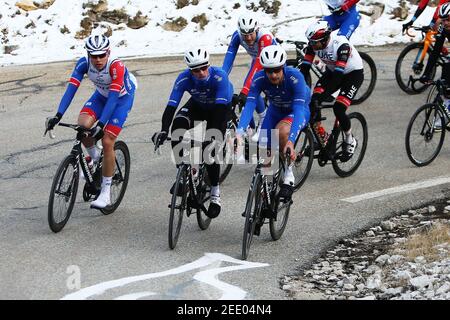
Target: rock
{"x":349,"y":286}
{"x":387,"y":225}
{"x":420,"y":259}
{"x":176,"y":25}
{"x":417,"y":217}
{"x":370,"y":234}
{"x":26,"y":5}
{"x":64,"y":30}
{"x":374,"y":281}
{"x":443,"y":289}
{"x":8,"y":49}
{"x":431,"y":209}
{"x":381,"y":260}
{"x":447,"y":208}
{"x":287,"y":287}
{"x":360,"y":286}
{"x":201,"y":19}
{"x":421,"y":281}
{"x":138,"y":21}
{"x":367,"y":298}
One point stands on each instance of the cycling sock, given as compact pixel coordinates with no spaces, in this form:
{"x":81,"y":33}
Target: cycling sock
{"x":215,"y":191}
{"x":348,"y":136}
{"x":289,"y":176}
{"x":106,"y":184}
{"x":261,"y":117}
{"x":93,"y":152}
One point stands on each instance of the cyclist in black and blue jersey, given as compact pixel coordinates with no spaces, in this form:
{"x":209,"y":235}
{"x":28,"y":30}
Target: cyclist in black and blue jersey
{"x":288,"y":110}
{"x":211,"y":94}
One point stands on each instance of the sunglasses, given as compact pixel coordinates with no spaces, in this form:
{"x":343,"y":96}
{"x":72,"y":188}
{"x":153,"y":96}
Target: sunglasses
{"x":197,"y":70}
{"x":316,"y":42}
{"x":273,"y":70}
{"x":100,"y":56}
{"x":246,"y":33}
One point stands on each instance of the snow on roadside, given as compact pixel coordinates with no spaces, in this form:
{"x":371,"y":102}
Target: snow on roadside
{"x":36,"y":36}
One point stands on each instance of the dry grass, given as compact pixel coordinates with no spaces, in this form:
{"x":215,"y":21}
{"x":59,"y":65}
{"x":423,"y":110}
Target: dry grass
{"x":424,"y":244}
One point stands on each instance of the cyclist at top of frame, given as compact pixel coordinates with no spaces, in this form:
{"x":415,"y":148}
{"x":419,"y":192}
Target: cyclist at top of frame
{"x":253,"y":39}
{"x":443,"y":33}
{"x":421,"y":8}
{"x":344,"y":16}
{"x":108,"y":106}
{"x":288,"y":112}
{"x":211,"y":93}
{"x":344,"y":72}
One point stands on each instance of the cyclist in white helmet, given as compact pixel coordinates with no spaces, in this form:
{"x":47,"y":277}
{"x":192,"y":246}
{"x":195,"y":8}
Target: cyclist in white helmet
{"x":108,"y":106}
{"x":344,"y":72}
{"x":288,"y":112}
{"x":211,"y":93}
{"x":344,"y":16}
{"x":441,"y":36}
{"x":253,"y":40}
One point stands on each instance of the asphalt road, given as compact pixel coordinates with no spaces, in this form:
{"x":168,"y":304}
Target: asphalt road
{"x":93,"y":250}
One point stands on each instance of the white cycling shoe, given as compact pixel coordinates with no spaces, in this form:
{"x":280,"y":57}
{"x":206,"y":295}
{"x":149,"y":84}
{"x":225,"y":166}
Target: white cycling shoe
{"x":103,"y":200}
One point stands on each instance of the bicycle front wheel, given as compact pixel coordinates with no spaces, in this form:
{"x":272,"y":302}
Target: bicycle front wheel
{"x":278,"y":225}
{"x":424,"y":135}
{"x":370,"y":79}
{"x":227,"y":151}
{"x":63,"y":193}
{"x":252,"y":214}
{"x":204,"y":195}
{"x":178,"y":205}
{"x":304,"y":149}
{"x":120,"y":177}
{"x":409,"y":65}
{"x":346,"y":167}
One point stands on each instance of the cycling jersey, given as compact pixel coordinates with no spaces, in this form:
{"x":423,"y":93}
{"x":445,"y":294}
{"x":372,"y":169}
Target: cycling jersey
{"x":339,"y":55}
{"x":421,"y":8}
{"x":263,"y":39}
{"x":113,"y":82}
{"x":215,"y":90}
{"x":347,"y":21}
{"x":288,"y":100}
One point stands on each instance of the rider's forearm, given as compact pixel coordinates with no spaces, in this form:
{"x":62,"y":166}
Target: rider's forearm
{"x":348,"y":4}
{"x":113,"y":97}
{"x":167,"y":118}
{"x":247,"y":114}
{"x":67,"y":98}
{"x":301,"y":118}
{"x":230,"y":56}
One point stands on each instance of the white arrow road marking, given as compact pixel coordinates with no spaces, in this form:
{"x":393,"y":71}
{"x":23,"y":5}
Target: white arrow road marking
{"x":135,"y":296}
{"x":209,"y":277}
{"x":398,"y":189}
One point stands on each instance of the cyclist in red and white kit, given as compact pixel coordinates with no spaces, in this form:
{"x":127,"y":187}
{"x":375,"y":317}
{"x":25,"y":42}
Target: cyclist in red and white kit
{"x":253,"y":40}
{"x":421,"y":8}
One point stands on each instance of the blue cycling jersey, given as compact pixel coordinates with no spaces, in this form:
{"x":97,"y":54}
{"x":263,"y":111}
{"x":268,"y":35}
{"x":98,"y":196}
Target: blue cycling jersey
{"x":216,"y":89}
{"x":292,"y":96}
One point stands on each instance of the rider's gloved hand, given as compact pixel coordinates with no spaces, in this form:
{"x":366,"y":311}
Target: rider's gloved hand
{"x":97,"y":131}
{"x":339,"y":11}
{"x":242,"y":99}
{"x":290,"y":146}
{"x":51,"y":122}
{"x":406,"y":26}
{"x":158,"y":138}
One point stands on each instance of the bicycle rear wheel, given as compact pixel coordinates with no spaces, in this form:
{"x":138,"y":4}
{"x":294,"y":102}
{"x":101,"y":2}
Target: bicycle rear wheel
{"x":370,"y":79}
{"x":63,"y":193}
{"x":120,"y":177}
{"x":252,"y":214}
{"x":424,"y":138}
{"x":304,"y":148}
{"x":407,"y":60}
{"x":345,"y":168}
{"x":178,"y":205}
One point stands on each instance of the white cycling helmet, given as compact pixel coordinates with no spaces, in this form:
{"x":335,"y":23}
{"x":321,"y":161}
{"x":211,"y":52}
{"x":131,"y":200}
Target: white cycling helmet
{"x":197,"y":57}
{"x":334,"y":4}
{"x":318,"y":31}
{"x":444,"y":11}
{"x":273,"y":56}
{"x":247,"y":24}
{"x":97,"y":44}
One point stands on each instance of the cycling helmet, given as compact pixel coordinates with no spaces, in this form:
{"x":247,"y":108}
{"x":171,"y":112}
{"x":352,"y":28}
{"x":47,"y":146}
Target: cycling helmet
{"x":333,"y":4}
{"x":97,"y":44}
{"x":319,"y":31}
{"x":247,"y":24}
{"x":196,"y":58}
{"x":444,"y":11}
{"x":273,"y":56}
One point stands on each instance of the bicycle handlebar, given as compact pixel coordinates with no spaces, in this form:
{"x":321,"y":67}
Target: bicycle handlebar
{"x":423,"y":30}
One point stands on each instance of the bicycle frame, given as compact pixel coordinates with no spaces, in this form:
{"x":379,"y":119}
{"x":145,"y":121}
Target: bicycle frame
{"x":440,"y":102}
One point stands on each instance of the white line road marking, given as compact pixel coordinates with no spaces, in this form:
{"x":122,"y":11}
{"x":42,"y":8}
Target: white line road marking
{"x":398,"y":189}
{"x":208,"y":276}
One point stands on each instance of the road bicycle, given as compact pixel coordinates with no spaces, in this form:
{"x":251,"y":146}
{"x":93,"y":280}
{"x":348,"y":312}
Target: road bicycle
{"x":318,"y":68}
{"x":426,"y":129}
{"x":65,"y":182}
{"x":264,"y":203}
{"x":191,"y":193}
{"x":413,"y":59}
